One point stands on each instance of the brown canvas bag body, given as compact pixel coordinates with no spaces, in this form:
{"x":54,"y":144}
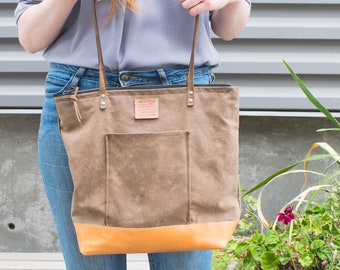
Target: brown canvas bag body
{"x":154,"y":169}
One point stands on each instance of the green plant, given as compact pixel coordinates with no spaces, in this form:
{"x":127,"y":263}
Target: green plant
{"x":311,"y":242}
{"x":306,"y":232}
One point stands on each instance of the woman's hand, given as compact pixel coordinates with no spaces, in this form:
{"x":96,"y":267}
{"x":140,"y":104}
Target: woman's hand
{"x":229,"y":16}
{"x":196,"y":7}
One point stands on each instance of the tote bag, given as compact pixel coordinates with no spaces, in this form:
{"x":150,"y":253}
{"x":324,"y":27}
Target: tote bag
{"x":155,"y":169}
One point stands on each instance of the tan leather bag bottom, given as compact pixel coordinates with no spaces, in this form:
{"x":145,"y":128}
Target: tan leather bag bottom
{"x":94,"y":239}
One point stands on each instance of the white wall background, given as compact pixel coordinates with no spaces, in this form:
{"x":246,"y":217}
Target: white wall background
{"x":306,"y":33}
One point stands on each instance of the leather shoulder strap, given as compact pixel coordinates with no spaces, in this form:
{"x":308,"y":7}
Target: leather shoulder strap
{"x":101,"y":67}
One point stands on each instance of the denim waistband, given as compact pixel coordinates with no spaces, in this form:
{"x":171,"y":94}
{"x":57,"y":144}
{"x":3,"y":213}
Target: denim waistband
{"x":163,"y":74}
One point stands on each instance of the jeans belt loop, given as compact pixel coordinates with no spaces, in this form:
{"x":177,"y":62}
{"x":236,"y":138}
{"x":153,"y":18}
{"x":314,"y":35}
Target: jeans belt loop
{"x":162,"y":76}
{"x":76,"y":77}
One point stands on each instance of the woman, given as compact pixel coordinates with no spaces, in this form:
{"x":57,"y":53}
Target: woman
{"x":143,"y":42}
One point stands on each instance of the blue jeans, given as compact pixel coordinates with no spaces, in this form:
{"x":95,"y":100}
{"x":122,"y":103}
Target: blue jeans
{"x":56,"y":174}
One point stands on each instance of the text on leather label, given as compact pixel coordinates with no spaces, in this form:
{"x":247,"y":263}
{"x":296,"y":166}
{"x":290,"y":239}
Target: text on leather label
{"x":146,"y":108}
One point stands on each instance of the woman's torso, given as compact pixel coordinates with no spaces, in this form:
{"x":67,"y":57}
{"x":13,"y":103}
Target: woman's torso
{"x":160,"y":35}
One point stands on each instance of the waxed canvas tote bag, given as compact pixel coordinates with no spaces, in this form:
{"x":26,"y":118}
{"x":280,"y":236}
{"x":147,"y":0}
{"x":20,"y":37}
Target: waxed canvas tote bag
{"x":155,"y":169}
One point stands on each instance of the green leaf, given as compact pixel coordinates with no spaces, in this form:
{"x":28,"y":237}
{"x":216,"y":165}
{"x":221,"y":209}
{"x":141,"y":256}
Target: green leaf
{"x":306,"y":260}
{"x":257,"y":251}
{"x":317,"y":244}
{"x":219,"y":265}
{"x":249,"y":263}
{"x":241,"y":247}
{"x":267,"y":180}
{"x":269,"y":261}
{"x":284,"y":170}
{"x":310,"y":96}
{"x":284,"y":259}
{"x":272,"y":237}
{"x":325,"y":256}
{"x":257,"y":238}
{"x":243,"y":225}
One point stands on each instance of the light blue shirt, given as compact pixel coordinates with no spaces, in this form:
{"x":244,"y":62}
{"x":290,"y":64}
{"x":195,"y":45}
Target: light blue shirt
{"x":158,"y":36}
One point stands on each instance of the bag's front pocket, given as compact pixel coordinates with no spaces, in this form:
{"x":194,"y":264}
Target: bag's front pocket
{"x":148,"y":181}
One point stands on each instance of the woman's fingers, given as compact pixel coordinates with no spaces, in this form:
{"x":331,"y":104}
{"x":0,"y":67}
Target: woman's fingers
{"x":196,"y":7}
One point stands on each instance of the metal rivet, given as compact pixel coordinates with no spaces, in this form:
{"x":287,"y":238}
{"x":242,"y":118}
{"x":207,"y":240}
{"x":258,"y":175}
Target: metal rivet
{"x":102,"y":95}
{"x":125,"y":77}
{"x":103,"y":103}
{"x":191,"y":93}
{"x":190,"y":100}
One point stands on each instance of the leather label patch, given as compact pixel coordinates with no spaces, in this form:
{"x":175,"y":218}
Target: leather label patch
{"x":146,"y":108}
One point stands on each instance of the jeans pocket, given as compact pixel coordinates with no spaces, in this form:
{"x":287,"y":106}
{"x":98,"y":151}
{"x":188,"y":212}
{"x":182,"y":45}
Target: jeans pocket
{"x":57,"y":82}
{"x":148,"y":183}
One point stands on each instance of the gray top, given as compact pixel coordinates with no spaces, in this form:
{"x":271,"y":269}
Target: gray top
{"x":158,"y":36}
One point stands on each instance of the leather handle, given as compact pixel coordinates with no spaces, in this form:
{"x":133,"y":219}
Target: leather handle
{"x":101,"y":67}
{"x":190,"y":77}
{"x":102,"y":75}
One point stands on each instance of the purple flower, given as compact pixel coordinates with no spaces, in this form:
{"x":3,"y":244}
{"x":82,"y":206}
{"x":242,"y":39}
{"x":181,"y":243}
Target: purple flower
{"x":287,"y":216}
